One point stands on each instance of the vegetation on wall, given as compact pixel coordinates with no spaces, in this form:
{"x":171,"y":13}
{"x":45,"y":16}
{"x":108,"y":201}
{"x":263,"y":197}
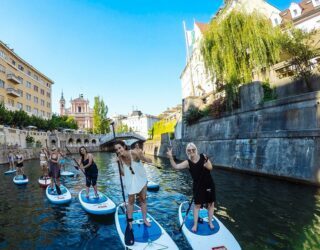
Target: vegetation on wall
{"x":161,"y":127}
{"x":298,"y":46}
{"x":20,"y":119}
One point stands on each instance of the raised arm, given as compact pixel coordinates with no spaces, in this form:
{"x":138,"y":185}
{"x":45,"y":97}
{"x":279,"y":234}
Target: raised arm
{"x":139,"y":155}
{"x":179,"y":166}
{"x":207,"y":163}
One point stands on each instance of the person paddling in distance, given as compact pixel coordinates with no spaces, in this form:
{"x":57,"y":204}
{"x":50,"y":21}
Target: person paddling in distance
{"x":11,"y":160}
{"x":203,"y":186}
{"x":43,"y":162}
{"x":134,"y":176}
{"x":54,"y":168}
{"x":90,"y":170}
{"x":19,"y":164}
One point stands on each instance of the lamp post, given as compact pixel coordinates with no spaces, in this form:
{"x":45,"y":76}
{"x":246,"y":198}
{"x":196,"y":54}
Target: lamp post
{"x":114,"y":134}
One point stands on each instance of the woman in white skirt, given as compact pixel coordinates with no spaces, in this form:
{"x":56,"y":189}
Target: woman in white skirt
{"x":134,"y":176}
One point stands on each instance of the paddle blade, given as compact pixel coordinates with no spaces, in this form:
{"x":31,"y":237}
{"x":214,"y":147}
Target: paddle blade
{"x":58,"y":189}
{"x":128,"y":236}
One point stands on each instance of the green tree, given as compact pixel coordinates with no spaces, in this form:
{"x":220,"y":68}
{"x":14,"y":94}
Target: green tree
{"x":297,"y":45}
{"x":100,"y":121}
{"x":237,"y":45}
{"x":122,"y":128}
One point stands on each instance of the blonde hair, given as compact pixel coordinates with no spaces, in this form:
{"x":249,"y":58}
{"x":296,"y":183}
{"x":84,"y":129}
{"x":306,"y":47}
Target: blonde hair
{"x":191,"y":145}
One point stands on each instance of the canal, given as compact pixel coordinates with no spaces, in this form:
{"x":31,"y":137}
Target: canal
{"x":262,"y":213}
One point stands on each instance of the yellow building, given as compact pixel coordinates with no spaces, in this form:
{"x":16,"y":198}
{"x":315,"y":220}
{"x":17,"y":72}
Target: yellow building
{"x":23,"y":87}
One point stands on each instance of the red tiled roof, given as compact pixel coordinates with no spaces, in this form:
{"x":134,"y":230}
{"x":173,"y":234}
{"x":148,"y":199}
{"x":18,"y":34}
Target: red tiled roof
{"x":305,"y":5}
{"x":202,"y":26}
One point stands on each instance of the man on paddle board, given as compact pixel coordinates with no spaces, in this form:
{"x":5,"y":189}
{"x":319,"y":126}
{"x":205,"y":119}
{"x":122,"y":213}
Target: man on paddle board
{"x":203,"y":186}
{"x":43,"y":162}
{"x":11,"y":160}
{"x":134,"y":176}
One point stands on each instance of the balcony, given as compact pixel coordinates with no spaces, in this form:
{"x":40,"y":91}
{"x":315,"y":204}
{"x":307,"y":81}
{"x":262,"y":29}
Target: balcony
{"x":13,"y":78}
{"x":13,"y":92}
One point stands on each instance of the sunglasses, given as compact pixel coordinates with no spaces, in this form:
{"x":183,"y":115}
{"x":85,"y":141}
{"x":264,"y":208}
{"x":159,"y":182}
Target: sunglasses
{"x":191,"y":150}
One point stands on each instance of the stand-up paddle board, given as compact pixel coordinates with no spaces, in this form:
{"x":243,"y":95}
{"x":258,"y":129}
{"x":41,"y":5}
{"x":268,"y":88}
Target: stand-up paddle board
{"x":44,"y":181}
{"x":67,"y":173}
{"x":96,"y":205}
{"x":153,"y":237}
{"x":10,"y":171}
{"x":20,"y":179}
{"x":153,"y":186}
{"x":206,"y":238}
{"x":56,"y":198}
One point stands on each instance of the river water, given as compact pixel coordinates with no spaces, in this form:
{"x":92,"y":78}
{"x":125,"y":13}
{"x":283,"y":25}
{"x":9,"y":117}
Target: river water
{"x":261,"y":213}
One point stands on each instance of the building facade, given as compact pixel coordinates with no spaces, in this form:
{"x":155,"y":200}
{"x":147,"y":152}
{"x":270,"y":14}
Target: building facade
{"x":79,"y":110}
{"x":23,"y":87}
{"x":137,"y":122}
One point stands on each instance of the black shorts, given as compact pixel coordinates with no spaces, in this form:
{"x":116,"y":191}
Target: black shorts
{"x":19,"y":165}
{"x":205,"y":195}
{"x":91,"y":179}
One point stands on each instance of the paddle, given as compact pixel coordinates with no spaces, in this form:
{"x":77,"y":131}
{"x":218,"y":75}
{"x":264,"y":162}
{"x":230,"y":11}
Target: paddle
{"x":78,"y":166}
{"x":128,"y":235}
{"x":54,"y":179}
{"x":190,"y":204}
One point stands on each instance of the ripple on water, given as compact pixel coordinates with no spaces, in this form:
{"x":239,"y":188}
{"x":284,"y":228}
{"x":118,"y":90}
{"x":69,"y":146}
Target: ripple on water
{"x":260,"y":212}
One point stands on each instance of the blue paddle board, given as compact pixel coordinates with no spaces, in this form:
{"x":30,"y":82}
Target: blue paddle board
{"x":55,"y":198}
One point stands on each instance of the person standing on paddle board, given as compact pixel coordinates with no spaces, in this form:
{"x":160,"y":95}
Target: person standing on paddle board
{"x":62,"y":160}
{"x":19,"y":164}
{"x":134,"y":176}
{"x":11,"y":160}
{"x":54,"y":169}
{"x":43,"y":162}
{"x":90,"y":170}
{"x":203,"y":186}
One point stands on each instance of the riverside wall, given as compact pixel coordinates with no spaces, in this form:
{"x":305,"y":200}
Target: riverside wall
{"x":15,"y":139}
{"x":279,"y":138}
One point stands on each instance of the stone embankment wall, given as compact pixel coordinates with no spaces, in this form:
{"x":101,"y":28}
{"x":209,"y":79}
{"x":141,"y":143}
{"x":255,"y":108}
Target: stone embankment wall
{"x":278,"y":138}
{"x":15,"y":139}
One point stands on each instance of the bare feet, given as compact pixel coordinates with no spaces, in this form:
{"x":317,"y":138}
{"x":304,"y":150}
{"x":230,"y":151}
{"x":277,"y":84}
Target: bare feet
{"x":194,"y":228}
{"x":211,"y":226}
{"x":147,"y":223}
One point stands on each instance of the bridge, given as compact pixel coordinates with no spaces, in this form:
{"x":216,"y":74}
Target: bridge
{"x":129,"y":137}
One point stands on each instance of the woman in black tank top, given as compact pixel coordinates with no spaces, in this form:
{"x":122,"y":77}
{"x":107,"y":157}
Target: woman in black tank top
{"x":203,"y":186}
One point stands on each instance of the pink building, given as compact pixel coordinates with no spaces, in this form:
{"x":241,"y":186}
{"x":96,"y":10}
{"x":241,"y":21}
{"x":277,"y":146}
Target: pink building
{"x":80,"y":110}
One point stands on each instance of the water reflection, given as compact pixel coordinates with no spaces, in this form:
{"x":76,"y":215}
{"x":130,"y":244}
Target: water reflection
{"x":260,"y":212}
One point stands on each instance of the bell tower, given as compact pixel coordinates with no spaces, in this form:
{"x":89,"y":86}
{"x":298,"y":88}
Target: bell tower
{"x":62,"y":105}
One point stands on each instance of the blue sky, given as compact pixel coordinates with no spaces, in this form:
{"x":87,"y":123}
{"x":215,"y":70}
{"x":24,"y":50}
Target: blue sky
{"x":129,"y":52}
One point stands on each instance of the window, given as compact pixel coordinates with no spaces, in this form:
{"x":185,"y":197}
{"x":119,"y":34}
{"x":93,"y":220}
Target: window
{"x":2,"y":69}
{"x":20,"y":67}
{"x":48,"y":94}
{"x":19,"y":105}
{"x":276,"y":21}
{"x":2,"y":54}
{"x":35,"y":99}
{"x":295,"y":12}
{"x":28,"y":84}
{"x":36,"y":77}
{"x":20,"y":79}
{"x":35,"y":111}
{"x":48,"y":114}
{"x":35,"y":88}
{"x":1,"y":83}
{"x":42,"y":102}
{"x":48,"y":105}
{"x":28,"y":108}
{"x":29,"y":73}
{"x":42,"y":91}
{"x":11,"y":102}
{"x":43,"y":113}
{"x":20,"y":92}
{"x":28,"y":96}
{"x":13,"y":62}
{"x":79,"y":109}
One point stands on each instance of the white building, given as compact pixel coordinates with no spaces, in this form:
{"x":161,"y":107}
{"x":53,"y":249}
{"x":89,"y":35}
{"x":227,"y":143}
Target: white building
{"x":304,"y":15}
{"x":137,"y":122}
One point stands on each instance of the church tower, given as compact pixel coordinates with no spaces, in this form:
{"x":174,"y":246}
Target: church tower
{"x":62,"y":105}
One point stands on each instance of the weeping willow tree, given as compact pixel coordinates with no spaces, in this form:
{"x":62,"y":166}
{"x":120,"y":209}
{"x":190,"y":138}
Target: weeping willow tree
{"x":237,"y":45}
